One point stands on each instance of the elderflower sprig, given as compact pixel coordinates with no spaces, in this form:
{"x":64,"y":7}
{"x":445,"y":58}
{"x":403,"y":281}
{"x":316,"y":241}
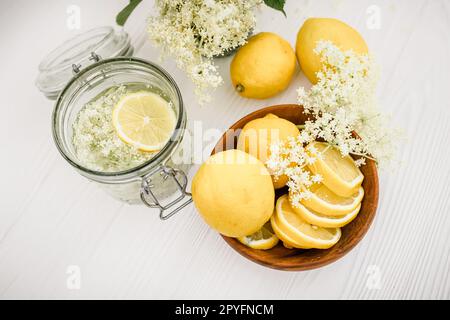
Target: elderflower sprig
{"x":291,"y":159}
{"x":343,"y":101}
{"x":195,"y":31}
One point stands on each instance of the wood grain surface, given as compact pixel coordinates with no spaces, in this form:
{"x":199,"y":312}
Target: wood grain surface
{"x":55,"y":225}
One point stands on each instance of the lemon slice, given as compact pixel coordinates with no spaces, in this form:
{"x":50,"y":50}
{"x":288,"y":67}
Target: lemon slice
{"x":288,"y":242}
{"x":327,"y":203}
{"x":301,"y":232}
{"x":320,"y":220}
{"x":145,"y":120}
{"x":262,"y":239}
{"x":340,"y":174}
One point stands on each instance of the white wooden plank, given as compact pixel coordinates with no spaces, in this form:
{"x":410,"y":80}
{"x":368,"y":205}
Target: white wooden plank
{"x":51,"y":218}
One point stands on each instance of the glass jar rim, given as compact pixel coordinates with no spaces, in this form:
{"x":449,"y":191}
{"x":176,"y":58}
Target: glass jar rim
{"x":56,"y":68}
{"x":159,"y":157}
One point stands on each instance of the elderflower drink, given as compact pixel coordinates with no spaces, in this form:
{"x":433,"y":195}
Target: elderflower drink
{"x":121,"y":123}
{"x":95,"y":139}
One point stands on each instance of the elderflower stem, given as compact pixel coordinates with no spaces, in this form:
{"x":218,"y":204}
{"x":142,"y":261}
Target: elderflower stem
{"x":365,"y":156}
{"x":354,"y":153}
{"x":326,"y":149}
{"x":371,"y":118}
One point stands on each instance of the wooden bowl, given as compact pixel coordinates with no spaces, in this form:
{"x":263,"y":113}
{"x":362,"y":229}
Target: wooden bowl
{"x":296,"y":259}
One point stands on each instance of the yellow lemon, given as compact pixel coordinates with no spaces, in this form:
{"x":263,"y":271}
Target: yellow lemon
{"x":257,"y":136}
{"x":233,"y":192}
{"x":340,"y":174}
{"x":280,"y":182}
{"x":263,"y":67}
{"x":262,"y":239}
{"x":316,"y":29}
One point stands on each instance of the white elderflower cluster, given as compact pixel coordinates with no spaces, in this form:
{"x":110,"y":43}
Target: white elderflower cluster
{"x":97,"y":146}
{"x":291,"y":159}
{"x":195,"y":31}
{"x":342,"y":102}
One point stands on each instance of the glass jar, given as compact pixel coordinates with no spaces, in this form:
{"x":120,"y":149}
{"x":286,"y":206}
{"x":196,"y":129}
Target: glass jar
{"x":159,"y":182}
{"x":153,"y":182}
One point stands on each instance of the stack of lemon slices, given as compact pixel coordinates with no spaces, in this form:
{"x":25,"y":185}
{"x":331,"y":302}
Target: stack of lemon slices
{"x":316,"y":221}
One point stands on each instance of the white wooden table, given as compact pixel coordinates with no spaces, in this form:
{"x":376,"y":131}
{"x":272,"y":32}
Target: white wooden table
{"x":55,"y":225}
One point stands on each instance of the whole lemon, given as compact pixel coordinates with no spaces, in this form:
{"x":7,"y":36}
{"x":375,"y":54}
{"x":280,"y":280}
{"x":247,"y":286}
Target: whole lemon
{"x":316,"y":29}
{"x":233,"y":193}
{"x":257,"y":136}
{"x":263,"y":67}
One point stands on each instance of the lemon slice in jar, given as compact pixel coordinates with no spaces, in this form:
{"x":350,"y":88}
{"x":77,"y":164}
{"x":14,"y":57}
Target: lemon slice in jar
{"x":144,"y":120}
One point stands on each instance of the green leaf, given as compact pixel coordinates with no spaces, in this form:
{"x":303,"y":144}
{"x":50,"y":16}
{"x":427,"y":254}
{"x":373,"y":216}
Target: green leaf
{"x":123,"y":15}
{"x":276,"y":4}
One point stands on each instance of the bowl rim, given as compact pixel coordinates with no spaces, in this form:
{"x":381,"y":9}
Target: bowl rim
{"x":255,"y":255}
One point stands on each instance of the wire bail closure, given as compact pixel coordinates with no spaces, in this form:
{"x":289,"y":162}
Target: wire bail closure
{"x":76,"y":68}
{"x":181,"y":181}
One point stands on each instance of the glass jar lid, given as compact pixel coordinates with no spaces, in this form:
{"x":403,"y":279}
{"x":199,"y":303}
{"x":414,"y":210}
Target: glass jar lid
{"x":59,"y":66}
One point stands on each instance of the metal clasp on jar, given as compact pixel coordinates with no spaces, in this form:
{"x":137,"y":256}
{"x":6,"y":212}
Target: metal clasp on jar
{"x":76,"y":68}
{"x":175,"y":205}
